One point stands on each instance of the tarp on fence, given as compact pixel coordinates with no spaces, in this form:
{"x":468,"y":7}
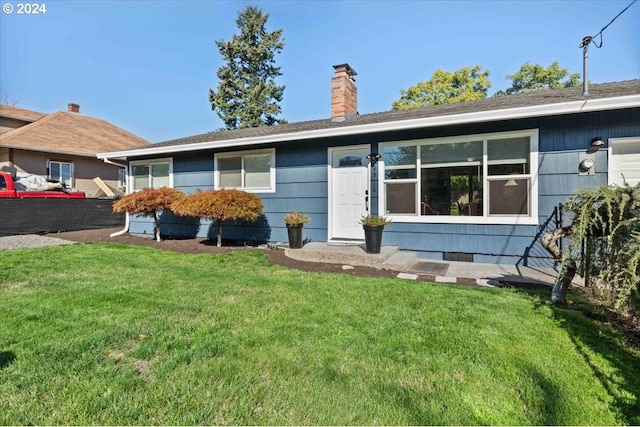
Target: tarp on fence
{"x":35,"y":215}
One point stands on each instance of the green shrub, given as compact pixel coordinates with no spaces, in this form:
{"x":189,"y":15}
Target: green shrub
{"x":607,"y":219}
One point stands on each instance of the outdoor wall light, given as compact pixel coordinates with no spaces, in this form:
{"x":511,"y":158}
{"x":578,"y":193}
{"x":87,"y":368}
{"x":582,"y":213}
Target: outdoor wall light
{"x":373,"y":158}
{"x":597,"y":142}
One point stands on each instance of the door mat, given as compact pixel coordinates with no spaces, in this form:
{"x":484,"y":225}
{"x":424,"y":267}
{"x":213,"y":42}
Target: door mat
{"x":425,"y":267}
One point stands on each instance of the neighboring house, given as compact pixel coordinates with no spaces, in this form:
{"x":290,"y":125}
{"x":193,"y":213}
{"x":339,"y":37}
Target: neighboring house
{"x":62,"y":146}
{"x":13,"y":117}
{"x":475,"y":181}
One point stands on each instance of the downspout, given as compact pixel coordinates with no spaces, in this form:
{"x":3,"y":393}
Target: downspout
{"x":126,"y":218}
{"x":124,"y":230}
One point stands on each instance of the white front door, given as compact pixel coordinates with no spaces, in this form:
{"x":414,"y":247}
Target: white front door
{"x":348,"y":186}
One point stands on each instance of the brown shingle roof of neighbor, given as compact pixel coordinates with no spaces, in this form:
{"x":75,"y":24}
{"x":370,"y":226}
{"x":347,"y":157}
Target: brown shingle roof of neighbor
{"x":20,"y":113}
{"x":547,"y":97}
{"x":71,"y":133}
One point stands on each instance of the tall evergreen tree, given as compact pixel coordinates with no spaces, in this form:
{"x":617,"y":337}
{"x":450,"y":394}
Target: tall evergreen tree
{"x":247,"y":94}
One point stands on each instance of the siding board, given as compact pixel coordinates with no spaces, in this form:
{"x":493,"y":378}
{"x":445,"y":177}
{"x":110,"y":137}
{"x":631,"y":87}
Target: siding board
{"x":302,"y":174}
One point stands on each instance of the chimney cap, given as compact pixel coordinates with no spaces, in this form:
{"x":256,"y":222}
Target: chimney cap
{"x":347,"y":68}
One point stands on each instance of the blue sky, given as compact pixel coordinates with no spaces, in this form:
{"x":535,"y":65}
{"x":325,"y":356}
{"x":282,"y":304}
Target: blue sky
{"x":147,"y":66}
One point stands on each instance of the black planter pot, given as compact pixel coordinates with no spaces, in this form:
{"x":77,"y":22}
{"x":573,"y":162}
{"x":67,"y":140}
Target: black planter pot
{"x":373,"y":238}
{"x":295,"y":235}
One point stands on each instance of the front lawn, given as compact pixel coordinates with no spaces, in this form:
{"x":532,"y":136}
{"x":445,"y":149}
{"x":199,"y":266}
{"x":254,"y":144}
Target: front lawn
{"x":111,"y":334}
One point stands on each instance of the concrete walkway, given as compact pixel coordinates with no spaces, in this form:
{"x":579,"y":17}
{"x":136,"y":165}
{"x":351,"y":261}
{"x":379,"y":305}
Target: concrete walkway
{"x":410,"y":266}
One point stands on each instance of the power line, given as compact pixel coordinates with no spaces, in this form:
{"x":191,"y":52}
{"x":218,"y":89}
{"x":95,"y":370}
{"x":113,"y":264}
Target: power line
{"x":589,"y":39}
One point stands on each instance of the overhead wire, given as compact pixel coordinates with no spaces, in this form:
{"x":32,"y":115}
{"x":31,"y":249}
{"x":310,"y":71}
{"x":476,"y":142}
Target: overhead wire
{"x":589,"y":39}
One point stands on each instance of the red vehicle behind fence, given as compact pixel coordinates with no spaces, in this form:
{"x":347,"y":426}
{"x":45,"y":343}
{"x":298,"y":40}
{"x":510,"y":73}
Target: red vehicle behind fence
{"x":8,"y":190}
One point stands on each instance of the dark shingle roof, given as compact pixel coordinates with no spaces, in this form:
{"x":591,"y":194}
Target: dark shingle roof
{"x":547,"y":97}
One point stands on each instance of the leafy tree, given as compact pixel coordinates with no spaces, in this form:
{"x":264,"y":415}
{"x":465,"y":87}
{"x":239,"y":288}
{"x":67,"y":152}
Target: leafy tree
{"x":444,"y":87}
{"x":220,"y":205}
{"x":608,"y":220}
{"x":148,"y":202}
{"x":533,"y":77}
{"x":247,"y":94}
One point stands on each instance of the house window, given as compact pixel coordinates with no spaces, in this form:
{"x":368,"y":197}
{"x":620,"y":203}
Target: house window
{"x":624,"y":158}
{"x":151,"y":174}
{"x":61,"y":171}
{"x":508,"y":176}
{"x":122,"y":178}
{"x":482,"y":178}
{"x":251,"y":171}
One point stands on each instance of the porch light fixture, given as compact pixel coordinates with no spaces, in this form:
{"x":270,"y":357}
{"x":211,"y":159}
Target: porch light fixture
{"x":597,"y":142}
{"x":373,"y":158}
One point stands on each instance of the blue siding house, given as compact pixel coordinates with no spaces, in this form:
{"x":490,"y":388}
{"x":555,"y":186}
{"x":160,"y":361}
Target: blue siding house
{"x":475,"y":181}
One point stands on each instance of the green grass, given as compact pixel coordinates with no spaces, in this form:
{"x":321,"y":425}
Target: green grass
{"x":110,"y":334}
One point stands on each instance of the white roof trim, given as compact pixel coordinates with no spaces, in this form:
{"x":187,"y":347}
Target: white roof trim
{"x":480,"y":116}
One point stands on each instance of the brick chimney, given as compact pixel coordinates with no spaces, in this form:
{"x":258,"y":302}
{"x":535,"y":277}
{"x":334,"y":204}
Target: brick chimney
{"x":73,"y":108}
{"x":344,"y":94}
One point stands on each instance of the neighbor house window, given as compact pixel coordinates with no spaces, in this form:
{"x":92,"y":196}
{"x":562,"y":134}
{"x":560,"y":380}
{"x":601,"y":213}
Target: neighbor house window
{"x":482,"y":176}
{"x":122,"y":178}
{"x":151,"y":174}
{"x":61,"y":171}
{"x":251,"y":171}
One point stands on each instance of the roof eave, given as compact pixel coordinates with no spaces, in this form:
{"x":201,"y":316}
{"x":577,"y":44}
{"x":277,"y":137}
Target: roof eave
{"x":39,"y":150}
{"x":569,"y":107}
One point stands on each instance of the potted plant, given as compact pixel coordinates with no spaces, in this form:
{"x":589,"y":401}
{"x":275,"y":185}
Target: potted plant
{"x":373,"y":226}
{"x":295,"y":221}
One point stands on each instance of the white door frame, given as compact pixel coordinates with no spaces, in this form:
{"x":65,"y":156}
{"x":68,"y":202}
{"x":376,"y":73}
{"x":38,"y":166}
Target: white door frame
{"x":330,"y":208}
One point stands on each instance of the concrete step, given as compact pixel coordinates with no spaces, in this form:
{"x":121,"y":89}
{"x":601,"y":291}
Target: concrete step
{"x":400,"y":261}
{"x":349,"y":254}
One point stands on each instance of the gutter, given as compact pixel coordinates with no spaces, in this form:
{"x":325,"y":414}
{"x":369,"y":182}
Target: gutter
{"x":44,"y":150}
{"x":580,"y":106}
{"x":106,"y":160}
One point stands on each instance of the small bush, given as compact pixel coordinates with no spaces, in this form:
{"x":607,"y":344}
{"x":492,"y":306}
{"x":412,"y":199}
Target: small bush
{"x":148,"y":202}
{"x":374,"y":221}
{"x":608,"y":219}
{"x":220,"y":205}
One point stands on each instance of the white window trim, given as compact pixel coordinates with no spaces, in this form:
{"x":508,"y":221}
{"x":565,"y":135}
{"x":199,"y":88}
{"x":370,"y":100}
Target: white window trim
{"x":272,"y":169}
{"x":617,"y":141}
{"x":532,"y":219}
{"x":61,"y":162}
{"x":130,"y":179}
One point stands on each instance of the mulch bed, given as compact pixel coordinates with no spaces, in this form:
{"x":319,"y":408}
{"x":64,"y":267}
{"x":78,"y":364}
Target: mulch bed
{"x":200,"y":246}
